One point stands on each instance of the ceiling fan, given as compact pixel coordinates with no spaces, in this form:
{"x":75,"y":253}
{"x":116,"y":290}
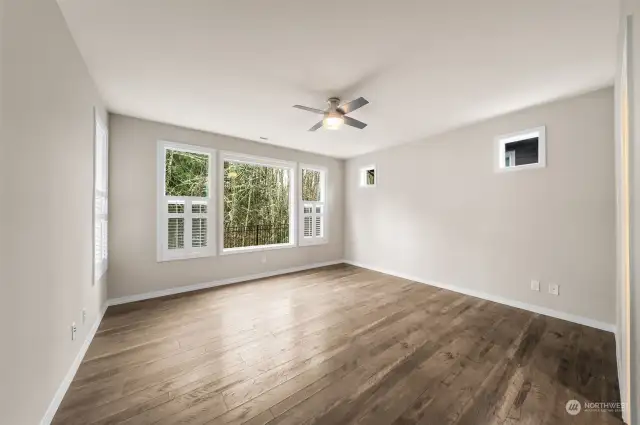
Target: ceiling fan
{"x":335,"y":116}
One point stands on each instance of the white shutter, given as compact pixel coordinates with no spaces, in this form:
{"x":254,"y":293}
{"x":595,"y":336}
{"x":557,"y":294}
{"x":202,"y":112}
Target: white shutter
{"x":313,"y":212}
{"x":101,"y":196}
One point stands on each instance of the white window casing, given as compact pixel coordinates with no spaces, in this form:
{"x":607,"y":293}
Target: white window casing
{"x":291,"y":167}
{"x":185,"y":223}
{"x":100,"y":198}
{"x":502,"y":156}
{"x":313,"y":214}
{"x":367,"y":174}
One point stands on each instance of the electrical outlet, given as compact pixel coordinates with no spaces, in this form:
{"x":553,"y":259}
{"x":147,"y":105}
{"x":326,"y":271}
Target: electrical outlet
{"x":264,"y":258}
{"x":73,"y":331}
{"x":554,"y":289}
{"x":84,"y":316}
{"x":535,"y":285}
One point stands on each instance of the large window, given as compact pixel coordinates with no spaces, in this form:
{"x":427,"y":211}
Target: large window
{"x":257,"y":203}
{"x":185,"y":201}
{"x":100,"y":199}
{"x":313,"y":205}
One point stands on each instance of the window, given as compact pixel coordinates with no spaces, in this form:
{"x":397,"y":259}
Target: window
{"x":185,"y":208}
{"x":522,"y":150}
{"x":100,"y":199}
{"x":368,"y":176}
{"x":313,"y":205}
{"x":257,"y":203}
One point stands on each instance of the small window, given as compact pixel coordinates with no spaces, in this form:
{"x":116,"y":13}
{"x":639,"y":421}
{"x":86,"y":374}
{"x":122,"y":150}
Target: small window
{"x":522,"y":150}
{"x":313,"y":205}
{"x":257,"y":203}
{"x":368,"y":176}
{"x":185,"y":209}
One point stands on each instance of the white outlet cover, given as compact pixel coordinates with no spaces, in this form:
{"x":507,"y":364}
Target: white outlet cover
{"x":84,"y":315}
{"x":535,"y":285}
{"x":554,"y":289}
{"x":73,"y":331}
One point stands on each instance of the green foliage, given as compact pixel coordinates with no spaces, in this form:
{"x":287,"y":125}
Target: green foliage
{"x":256,"y":199}
{"x":310,"y":185}
{"x":186,"y":173}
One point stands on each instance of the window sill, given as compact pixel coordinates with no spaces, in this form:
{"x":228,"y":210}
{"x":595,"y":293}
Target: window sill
{"x":228,"y":251}
{"x":188,"y":256}
{"x":313,"y":242}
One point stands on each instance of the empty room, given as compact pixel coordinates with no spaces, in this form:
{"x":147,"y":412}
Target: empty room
{"x":291,"y":212}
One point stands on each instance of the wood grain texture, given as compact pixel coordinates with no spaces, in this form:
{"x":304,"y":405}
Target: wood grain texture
{"x":338,"y":345}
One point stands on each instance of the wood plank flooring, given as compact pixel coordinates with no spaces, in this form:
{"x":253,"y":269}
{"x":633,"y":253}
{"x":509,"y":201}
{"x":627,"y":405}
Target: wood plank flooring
{"x":338,"y":345}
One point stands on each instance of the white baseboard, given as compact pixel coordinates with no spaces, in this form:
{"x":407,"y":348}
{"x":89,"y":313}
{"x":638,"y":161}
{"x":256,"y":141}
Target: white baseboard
{"x":66,"y":382}
{"x":205,"y":285}
{"x":512,"y":303}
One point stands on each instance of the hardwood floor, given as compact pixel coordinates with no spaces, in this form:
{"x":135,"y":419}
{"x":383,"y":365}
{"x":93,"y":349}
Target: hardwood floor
{"x":338,"y":345}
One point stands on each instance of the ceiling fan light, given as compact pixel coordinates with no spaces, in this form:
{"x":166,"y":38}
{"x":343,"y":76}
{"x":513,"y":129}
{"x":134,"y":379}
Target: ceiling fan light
{"x":333,"y":123}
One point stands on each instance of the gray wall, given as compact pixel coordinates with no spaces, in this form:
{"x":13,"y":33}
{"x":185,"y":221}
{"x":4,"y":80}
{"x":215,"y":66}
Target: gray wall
{"x":47,"y":140}
{"x":440,"y":212}
{"x":133,"y":268}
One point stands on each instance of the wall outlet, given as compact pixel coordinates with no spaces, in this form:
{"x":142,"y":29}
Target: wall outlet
{"x":535,"y":285}
{"x":84,"y":316}
{"x":74,"y":329}
{"x":554,"y":289}
{"x":264,"y":258}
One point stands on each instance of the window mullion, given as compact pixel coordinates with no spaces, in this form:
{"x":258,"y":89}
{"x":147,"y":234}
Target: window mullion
{"x":188,"y":235}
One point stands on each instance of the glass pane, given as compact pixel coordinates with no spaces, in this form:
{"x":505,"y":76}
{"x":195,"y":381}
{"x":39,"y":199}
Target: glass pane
{"x":311,"y":185}
{"x":371,"y":177}
{"x":318,"y":228}
{"x":199,"y":232}
{"x":256,"y":205}
{"x":176,"y":233}
{"x":186,"y":173}
{"x":522,"y":152}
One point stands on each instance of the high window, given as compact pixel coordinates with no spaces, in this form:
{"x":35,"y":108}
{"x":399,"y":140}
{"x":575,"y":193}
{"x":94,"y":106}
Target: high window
{"x":100,"y":199}
{"x":313,"y":205}
{"x":521,"y":151}
{"x":185,"y":201}
{"x":257,"y":203}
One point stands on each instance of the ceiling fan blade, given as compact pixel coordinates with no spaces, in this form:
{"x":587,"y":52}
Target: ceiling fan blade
{"x":317,"y":126}
{"x":306,"y":108}
{"x":353,"y":105}
{"x":354,"y":123}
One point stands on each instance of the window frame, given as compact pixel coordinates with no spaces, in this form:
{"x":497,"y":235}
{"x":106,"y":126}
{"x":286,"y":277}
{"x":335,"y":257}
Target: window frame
{"x":363,"y":176}
{"x":101,"y":267}
{"x":501,"y":142}
{"x":313,"y":240}
{"x":162,"y":214}
{"x":225,"y":156}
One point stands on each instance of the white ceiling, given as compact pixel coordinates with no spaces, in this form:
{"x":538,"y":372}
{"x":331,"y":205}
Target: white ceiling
{"x":236,"y":67}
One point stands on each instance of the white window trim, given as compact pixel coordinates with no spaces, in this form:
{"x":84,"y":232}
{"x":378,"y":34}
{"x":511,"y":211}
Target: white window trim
{"x":100,"y":268}
{"x":501,"y":141}
{"x":268,"y":162}
{"x":302,"y":241}
{"x":363,"y":176}
{"x":162,"y":214}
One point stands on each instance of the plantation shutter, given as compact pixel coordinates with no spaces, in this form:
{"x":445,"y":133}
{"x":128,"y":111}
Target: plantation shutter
{"x":185,"y":202}
{"x":101,"y":199}
{"x":313,"y":201}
